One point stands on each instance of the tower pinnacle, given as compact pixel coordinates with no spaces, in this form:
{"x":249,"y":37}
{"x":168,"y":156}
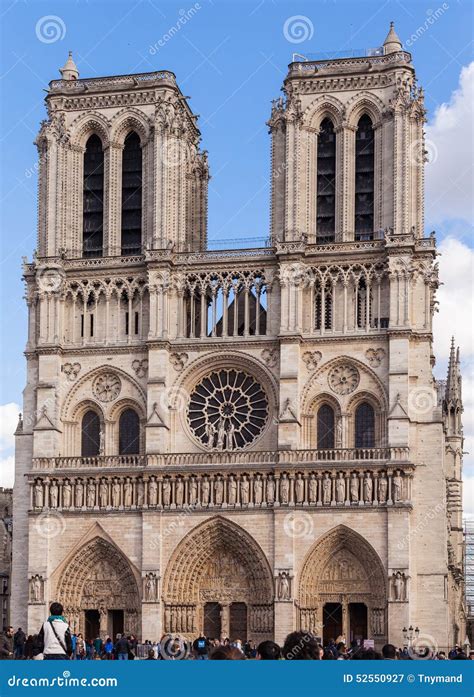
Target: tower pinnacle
{"x":392,"y":43}
{"x":69,"y":71}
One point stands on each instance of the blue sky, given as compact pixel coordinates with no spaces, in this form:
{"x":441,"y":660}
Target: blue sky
{"x":230,"y":58}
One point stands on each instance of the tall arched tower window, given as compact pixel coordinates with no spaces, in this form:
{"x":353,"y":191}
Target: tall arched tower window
{"x":326,"y":184}
{"x":132,"y":195}
{"x":93,"y":205}
{"x":90,"y":434}
{"x":365,"y":426}
{"x":129,"y":433}
{"x":364,"y":180}
{"x":325,"y":427}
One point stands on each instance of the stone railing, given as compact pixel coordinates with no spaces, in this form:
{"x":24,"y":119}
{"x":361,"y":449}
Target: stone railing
{"x":316,"y":486}
{"x":237,"y":458}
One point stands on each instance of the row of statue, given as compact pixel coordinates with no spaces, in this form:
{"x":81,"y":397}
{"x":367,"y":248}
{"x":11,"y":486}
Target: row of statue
{"x":314,"y":488}
{"x":311,"y":620}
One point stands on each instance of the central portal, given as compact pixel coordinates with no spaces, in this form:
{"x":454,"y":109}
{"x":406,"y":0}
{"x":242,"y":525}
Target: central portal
{"x":212,"y":620}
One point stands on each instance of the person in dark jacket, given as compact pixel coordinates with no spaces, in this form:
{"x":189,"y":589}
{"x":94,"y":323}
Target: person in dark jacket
{"x":6,"y":644}
{"x":122,"y":648}
{"x":19,"y":639}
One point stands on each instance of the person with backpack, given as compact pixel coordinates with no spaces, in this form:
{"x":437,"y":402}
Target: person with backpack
{"x":55,"y":636}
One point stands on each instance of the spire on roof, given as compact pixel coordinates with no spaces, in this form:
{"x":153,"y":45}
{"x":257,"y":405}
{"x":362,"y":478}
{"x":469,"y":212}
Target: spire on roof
{"x":70,"y":71}
{"x":453,"y":383}
{"x":392,"y":43}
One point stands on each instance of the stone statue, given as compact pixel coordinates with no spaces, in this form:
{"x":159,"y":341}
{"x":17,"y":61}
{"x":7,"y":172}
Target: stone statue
{"x":368,"y":488}
{"x":354,"y":488}
{"x":53,"y":494}
{"x":283,"y":590}
{"x":101,"y":442}
{"x":313,"y":489}
{"x":148,"y":587}
{"x":166,"y":491}
{"x":231,"y":443}
{"x":116,"y":493}
{"x":91,"y":494}
{"x":326,"y":489}
{"x":284,"y":488}
{"x":244,"y":490}
{"x":152,"y":492}
{"x":398,"y":585}
{"x":36,"y":588}
{"x":205,"y":490}
{"x":299,"y":489}
{"x":140,"y":493}
{"x":127,"y":493}
{"x":218,"y":491}
{"x":232,"y":491}
{"x":397,"y":483}
{"x":382,"y":494}
{"x":38,"y":494}
{"x":193,"y":491}
{"x":270,"y":493}
{"x":339,"y":433}
{"x":179,"y":491}
{"x":258,"y":490}
{"x":103,"y":493}
{"x":66,"y":494}
{"x":221,"y":433}
{"x":79,"y":494}
{"x":210,"y":434}
{"x":340,"y":488}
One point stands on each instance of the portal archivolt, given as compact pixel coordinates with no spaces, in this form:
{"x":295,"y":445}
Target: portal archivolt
{"x":218,"y":581}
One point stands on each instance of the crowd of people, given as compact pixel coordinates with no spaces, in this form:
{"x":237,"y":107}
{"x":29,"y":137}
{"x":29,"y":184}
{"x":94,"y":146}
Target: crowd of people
{"x":55,"y":641}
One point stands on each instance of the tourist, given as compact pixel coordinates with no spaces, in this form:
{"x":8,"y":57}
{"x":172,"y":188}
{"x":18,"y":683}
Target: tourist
{"x":122,"y":648}
{"x":201,"y":648}
{"x":80,"y":652}
{"x":54,"y":636}
{"x":268,"y":651}
{"x":74,"y":644}
{"x":6,"y":644}
{"x":108,"y":649}
{"x":227,"y":653}
{"x":389,"y":652}
{"x":19,"y":640}
{"x":151,"y":655}
{"x":98,"y":646}
{"x":300,"y":646}
{"x":89,"y":650}
{"x":29,"y":647}
{"x":341,"y":651}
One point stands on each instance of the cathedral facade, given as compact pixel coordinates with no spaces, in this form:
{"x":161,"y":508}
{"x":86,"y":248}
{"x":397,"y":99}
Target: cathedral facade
{"x":238,"y":442}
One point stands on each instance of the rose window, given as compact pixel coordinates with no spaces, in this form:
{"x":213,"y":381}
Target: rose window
{"x":227,"y":410}
{"x":106,"y":387}
{"x":343,"y":379}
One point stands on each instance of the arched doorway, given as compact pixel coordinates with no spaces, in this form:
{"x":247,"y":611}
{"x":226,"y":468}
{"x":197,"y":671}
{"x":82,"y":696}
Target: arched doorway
{"x":218,"y":581}
{"x":99,"y":591}
{"x":342,"y":589}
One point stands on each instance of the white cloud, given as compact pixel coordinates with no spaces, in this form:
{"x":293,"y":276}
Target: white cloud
{"x":456,"y":307}
{"x":449,"y":178}
{"x":8,"y":423}
{"x":7,"y":471}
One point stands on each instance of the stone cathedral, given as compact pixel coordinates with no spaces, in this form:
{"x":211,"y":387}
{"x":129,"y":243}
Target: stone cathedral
{"x":238,"y":442}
